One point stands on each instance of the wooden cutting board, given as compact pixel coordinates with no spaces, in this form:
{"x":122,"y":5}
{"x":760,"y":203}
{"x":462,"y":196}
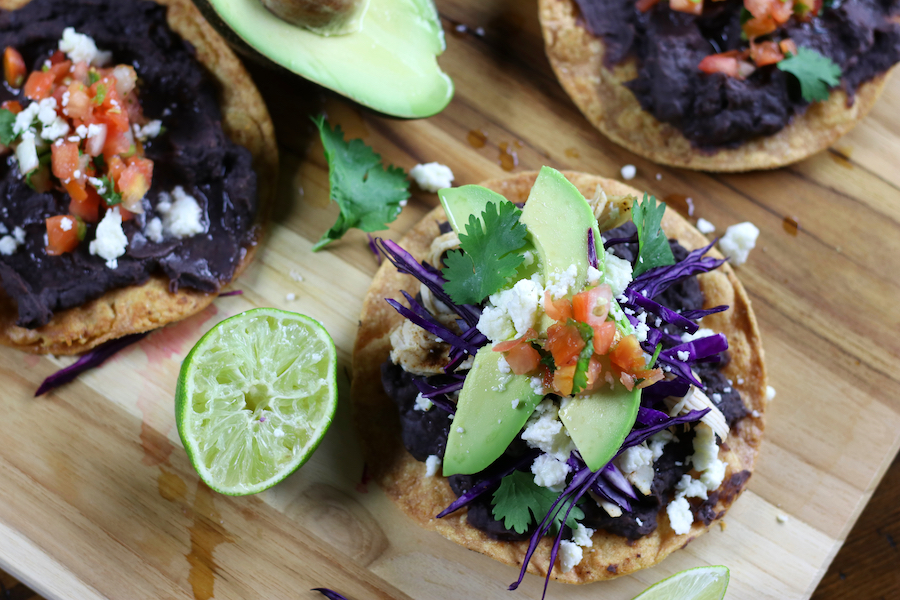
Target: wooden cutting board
{"x":97,"y":499}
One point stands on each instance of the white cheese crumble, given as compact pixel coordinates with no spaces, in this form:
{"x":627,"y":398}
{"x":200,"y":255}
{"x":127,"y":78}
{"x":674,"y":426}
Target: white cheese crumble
{"x":460,"y":430}
{"x":433,"y":176}
{"x":770,"y":393}
{"x":65,"y":224}
{"x":706,"y":451}
{"x":738,"y":241}
{"x":561,"y":282}
{"x":683,"y":355}
{"x":618,"y":273}
{"x":26,"y":154}
{"x":690,"y":488}
{"x":423,"y":403}
{"x":582,"y":536}
{"x":680,"y":515}
{"x":290,"y":296}
{"x":503,"y":366}
{"x":545,"y":431}
{"x":629,"y":172}
{"x":781,"y":518}
{"x":181,"y":218}
{"x":148,"y":131}
{"x":431,"y":465}
{"x":110,"y":242}
{"x":593,"y":275}
{"x":700,"y":333}
{"x":570,"y":554}
{"x":19,"y":234}
{"x":154,"y":228}
{"x":25,"y":118}
{"x":515,"y":403}
{"x":704,"y":226}
{"x":550,"y":472}
{"x":636,"y":463}
{"x":82,"y":48}
{"x":8,"y":245}
{"x":512,"y":312}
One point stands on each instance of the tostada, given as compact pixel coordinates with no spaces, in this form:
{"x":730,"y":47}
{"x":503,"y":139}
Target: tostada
{"x":722,"y":85}
{"x":140,"y":162}
{"x":573,"y":388}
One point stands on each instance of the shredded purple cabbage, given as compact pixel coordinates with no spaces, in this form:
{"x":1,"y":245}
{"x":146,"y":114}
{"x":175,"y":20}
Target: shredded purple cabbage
{"x":421,"y":317}
{"x":88,"y":360}
{"x":482,"y":486}
{"x":374,"y":248}
{"x":649,"y":416}
{"x":625,"y":240}
{"x":231,"y":293}
{"x":655,"y":281}
{"x":592,"y":249}
{"x":437,"y":395}
{"x":330,"y":594}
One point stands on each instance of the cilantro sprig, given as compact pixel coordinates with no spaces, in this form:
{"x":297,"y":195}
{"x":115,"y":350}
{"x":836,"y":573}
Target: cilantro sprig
{"x":815,"y":72}
{"x":107,"y":191}
{"x":369,"y":195}
{"x":519,"y":501}
{"x":654,"y":250}
{"x":7,"y":120}
{"x":491,"y":255}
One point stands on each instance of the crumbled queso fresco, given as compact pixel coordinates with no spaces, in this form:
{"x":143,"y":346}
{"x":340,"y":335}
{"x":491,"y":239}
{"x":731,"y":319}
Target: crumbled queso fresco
{"x":432,"y":176}
{"x":738,"y":241}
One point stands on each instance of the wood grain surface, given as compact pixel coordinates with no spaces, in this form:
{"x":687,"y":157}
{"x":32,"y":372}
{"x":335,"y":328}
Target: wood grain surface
{"x":97,"y":497}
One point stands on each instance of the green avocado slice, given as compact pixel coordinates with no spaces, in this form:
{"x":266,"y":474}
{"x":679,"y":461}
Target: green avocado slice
{"x":390,"y":65}
{"x":461,"y":202}
{"x":492,"y":409}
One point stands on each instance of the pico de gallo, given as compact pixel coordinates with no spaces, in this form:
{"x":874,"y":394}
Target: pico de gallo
{"x":80,"y":131}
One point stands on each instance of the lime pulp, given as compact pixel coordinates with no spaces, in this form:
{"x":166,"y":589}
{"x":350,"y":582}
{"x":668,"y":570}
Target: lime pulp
{"x":701,"y":583}
{"x":254,"y":398}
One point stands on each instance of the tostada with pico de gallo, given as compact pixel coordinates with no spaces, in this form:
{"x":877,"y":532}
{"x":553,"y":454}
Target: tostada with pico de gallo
{"x":140,"y":162}
{"x":723,"y":85}
{"x":574,"y":387}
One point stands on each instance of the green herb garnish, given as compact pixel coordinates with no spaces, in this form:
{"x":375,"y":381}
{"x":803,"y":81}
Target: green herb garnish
{"x":519,"y":501}
{"x":654,"y":246}
{"x":7,"y":120}
{"x":815,"y":72}
{"x":491,"y":246}
{"x":369,"y":195}
{"x":108,"y":193}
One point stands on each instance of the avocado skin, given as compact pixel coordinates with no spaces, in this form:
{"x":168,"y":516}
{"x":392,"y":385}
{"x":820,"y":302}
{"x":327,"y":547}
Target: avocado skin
{"x":396,"y":75}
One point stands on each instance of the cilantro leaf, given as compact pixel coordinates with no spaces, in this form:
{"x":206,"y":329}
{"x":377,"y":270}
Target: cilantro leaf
{"x":7,"y":120}
{"x":654,"y":246}
{"x":519,"y":501}
{"x":107,"y":191}
{"x":490,"y":244}
{"x":816,"y":73}
{"x":368,"y":195}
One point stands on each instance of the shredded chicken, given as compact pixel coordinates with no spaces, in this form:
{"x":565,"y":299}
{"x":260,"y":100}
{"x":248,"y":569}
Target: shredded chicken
{"x":441,"y":244}
{"x":695,"y":399}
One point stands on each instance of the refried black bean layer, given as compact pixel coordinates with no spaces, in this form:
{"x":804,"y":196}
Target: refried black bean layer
{"x":193,"y":152}
{"x":714,"y":110}
{"x":424,"y":433}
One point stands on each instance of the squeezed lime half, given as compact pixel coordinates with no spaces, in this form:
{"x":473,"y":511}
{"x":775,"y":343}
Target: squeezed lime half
{"x":702,"y":583}
{"x":254,"y":398}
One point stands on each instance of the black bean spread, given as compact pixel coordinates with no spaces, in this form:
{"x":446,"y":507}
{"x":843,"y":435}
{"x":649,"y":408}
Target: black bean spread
{"x":715,"y":110}
{"x":424,"y":433}
{"x":191,"y":151}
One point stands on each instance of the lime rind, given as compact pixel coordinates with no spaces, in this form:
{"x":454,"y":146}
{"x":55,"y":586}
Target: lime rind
{"x":700,"y":583}
{"x":255,"y":397}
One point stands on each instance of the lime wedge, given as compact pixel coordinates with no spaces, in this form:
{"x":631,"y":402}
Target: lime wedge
{"x":254,"y":398}
{"x":702,"y":583}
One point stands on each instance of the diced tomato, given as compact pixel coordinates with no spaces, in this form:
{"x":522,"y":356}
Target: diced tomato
{"x":765,"y":53}
{"x":565,"y":343}
{"x":558,"y":310}
{"x":627,"y":380}
{"x":76,"y":190}
{"x":645,"y":5}
{"x":64,"y":159}
{"x":563,"y":380}
{"x":758,"y":26}
{"x":88,"y":209}
{"x":628,"y":355}
{"x":592,"y":306}
{"x":788,"y":47}
{"x":114,"y":166}
{"x":60,"y":70}
{"x":650,"y":377}
{"x":96,"y":139}
{"x":507,"y":346}
{"x":80,"y":72}
{"x":39,"y":85}
{"x":104,"y":94}
{"x":805,"y":10}
{"x":13,"y":67}
{"x":604,"y":335}
{"x":594,"y":371}
{"x":782,"y":10}
{"x":57,"y":57}
{"x":144,"y":165}
{"x":133,"y":185}
{"x":687,"y":6}
{"x":12,"y":106}
{"x":720,"y":63}
{"x":79,"y":105}
{"x":62,"y":234}
{"x":523,"y":359}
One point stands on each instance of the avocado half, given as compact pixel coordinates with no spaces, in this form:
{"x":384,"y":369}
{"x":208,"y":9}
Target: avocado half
{"x":390,"y":65}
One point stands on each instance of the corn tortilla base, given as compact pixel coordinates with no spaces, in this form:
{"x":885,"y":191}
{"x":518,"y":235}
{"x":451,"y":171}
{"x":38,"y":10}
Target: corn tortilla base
{"x":421,"y":498}
{"x":577,"y":59}
{"x":150,"y":305}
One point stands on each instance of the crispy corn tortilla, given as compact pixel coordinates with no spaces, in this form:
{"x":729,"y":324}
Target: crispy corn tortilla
{"x":134,"y":309}
{"x":577,"y":59}
{"x":421,"y":497}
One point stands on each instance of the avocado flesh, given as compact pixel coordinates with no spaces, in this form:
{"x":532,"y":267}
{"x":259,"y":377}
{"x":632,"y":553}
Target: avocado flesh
{"x":489,"y":414}
{"x":557,"y":217}
{"x":390,"y":65}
